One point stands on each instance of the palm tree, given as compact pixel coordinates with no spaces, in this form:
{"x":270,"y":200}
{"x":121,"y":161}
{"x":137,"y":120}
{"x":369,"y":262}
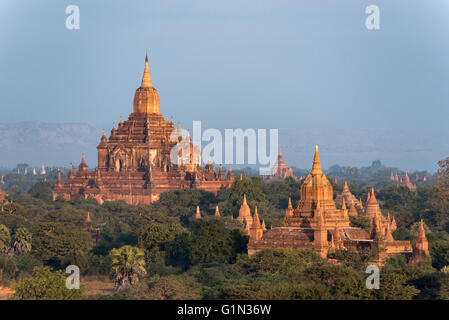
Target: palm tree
{"x":5,"y":240}
{"x":22,"y":243}
{"x":128,"y":264}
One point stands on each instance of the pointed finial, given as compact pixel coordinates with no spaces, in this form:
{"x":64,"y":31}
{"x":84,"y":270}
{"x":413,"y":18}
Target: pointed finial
{"x":290,"y":203}
{"x":244,"y":199}
{"x":146,"y":79}
{"x":388,"y":234}
{"x":256,"y":220}
{"x":393,"y":224}
{"x":316,"y":167}
{"x":343,"y":204}
{"x":59,"y":181}
{"x":373,"y":196}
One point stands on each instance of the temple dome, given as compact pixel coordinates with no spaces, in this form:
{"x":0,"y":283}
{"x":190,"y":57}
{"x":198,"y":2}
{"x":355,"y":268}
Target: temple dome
{"x":146,"y":98}
{"x":244,"y":209}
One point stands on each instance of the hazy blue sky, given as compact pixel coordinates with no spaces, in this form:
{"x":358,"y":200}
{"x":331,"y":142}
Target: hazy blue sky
{"x":262,"y":64}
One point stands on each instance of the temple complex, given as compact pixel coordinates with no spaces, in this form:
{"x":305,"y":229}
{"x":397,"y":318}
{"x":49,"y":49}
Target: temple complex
{"x":318,"y":225}
{"x":406,"y":182}
{"x":251,"y":224}
{"x":280,"y":170}
{"x":143,"y":157}
{"x":347,"y":197}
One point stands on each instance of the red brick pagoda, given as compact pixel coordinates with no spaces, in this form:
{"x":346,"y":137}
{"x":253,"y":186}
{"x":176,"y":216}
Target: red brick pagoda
{"x":135,"y":163}
{"x":280,"y":170}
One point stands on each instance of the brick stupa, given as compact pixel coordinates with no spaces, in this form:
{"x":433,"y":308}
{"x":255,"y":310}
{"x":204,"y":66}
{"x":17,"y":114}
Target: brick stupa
{"x":318,"y":225}
{"x":347,"y":196}
{"x":406,"y":182}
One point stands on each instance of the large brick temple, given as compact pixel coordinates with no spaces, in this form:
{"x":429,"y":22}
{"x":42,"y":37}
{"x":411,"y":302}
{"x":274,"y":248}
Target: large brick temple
{"x":135,"y":163}
{"x":317,"y":224}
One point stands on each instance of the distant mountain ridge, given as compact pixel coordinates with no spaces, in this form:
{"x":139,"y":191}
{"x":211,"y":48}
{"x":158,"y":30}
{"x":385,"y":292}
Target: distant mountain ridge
{"x":38,"y":143}
{"x":60,"y":144}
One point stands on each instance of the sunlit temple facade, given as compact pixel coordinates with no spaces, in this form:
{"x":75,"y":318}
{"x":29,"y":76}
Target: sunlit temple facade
{"x":136,"y":163}
{"x":317,"y":224}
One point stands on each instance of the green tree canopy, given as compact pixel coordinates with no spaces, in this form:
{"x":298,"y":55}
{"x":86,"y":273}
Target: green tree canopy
{"x":128,"y":265}
{"x":46,"y":285}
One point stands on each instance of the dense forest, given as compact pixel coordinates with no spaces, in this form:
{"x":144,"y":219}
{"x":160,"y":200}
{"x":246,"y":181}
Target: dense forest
{"x":162,"y":252}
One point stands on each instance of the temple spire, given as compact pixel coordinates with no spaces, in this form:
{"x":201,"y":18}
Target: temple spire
{"x":343,"y":204}
{"x":316,"y":168}
{"x":256,"y":219}
{"x":88,"y":223}
{"x":388,"y":234}
{"x":59,"y":181}
{"x":421,"y":232}
{"x":197,"y":214}
{"x":146,"y":79}
{"x":70,"y":175}
{"x":373,"y":197}
{"x":217,"y":211}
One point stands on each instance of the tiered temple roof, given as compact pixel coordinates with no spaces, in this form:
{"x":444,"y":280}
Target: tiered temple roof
{"x":280,"y":169}
{"x":317,"y":224}
{"x":406,"y":182}
{"x":136,"y":164}
{"x":348,"y":197}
